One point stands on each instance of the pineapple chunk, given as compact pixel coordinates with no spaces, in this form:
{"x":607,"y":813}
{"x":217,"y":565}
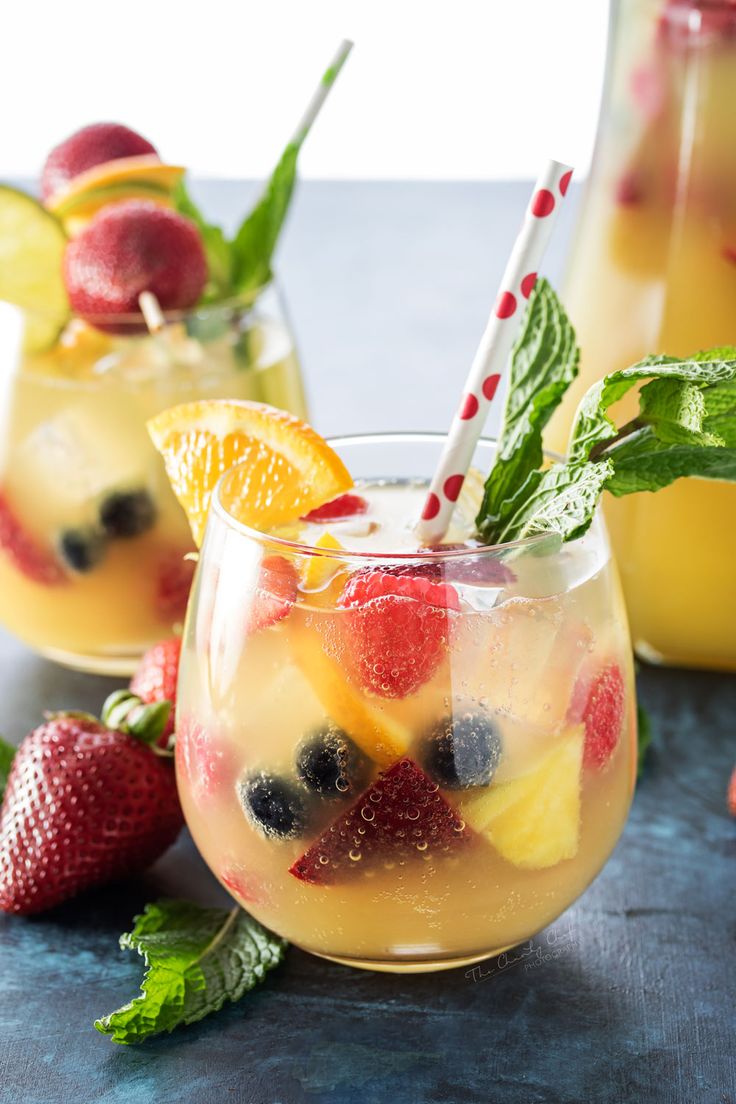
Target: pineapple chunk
{"x":534,"y":820}
{"x":319,"y":570}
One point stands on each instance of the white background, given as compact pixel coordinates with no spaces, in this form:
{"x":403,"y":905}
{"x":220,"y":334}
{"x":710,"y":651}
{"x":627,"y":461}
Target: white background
{"x":434,"y":89}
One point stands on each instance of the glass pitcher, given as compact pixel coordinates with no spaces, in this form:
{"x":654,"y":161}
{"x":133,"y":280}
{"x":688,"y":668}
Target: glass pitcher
{"x":653,"y":270}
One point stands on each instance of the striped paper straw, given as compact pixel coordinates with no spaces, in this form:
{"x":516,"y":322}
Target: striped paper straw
{"x":491,"y":360}
{"x":321,"y":92}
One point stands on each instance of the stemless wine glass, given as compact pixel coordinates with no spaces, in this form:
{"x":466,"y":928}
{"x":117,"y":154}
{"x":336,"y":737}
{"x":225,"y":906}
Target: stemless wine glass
{"x":92,"y":540}
{"x":427,"y":772}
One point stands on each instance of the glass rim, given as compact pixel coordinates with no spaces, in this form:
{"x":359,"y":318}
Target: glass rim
{"x":433,"y":555}
{"x":232,"y":305}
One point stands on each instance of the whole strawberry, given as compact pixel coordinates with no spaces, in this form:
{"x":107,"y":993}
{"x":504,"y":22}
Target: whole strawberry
{"x":155,"y":679}
{"x":84,"y":804}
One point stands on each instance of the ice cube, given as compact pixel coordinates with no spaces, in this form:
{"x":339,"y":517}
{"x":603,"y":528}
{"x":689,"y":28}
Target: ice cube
{"x":68,"y":462}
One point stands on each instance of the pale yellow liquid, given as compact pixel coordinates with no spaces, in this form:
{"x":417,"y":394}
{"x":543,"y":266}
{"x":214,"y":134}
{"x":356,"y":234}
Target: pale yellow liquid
{"x":74,"y":430}
{"x":256,"y":698}
{"x":653,"y":276}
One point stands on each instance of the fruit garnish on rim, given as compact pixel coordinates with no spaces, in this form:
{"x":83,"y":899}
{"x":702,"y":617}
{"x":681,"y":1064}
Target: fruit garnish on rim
{"x":285,"y":469}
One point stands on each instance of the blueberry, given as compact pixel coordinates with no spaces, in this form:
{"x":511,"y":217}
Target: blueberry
{"x":127,"y":513}
{"x":273,"y":805}
{"x":329,"y":763}
{"x":82,"y":549}
{"x":462,"y":751}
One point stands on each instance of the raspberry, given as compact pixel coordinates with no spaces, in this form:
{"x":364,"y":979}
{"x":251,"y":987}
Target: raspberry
{"x":599,"y":703}
{"x":344,"y":506}
{"x":398,"y":627}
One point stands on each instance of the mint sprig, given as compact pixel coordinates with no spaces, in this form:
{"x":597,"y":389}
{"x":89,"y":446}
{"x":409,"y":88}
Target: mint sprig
{"x":645,"y":737}
{"x":685,"y":426}
{"x":544,"y":363}
{"x":241,"y":265}
{"x":7,"y":755}
{"x":196,"y":959}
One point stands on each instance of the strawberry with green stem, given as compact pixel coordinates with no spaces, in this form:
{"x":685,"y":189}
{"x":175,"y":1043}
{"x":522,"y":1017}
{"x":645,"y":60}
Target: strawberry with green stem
{"x":86,"y":802}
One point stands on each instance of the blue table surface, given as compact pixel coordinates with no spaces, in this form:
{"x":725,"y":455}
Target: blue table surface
{"x":389,"y":285}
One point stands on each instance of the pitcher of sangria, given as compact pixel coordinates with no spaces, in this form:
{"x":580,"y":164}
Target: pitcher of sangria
{"x":654,"y":267}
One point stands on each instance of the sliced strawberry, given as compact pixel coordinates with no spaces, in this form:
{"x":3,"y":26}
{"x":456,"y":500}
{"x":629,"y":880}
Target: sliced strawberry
{"x":398,"y":627}
{"x":202,"y":761}
{"x":155,"y":679}
{"x":629,"y":189}
{"x":401,"y":815}
{"x":732,"y":794}
{"x":244,"y":885}
{"x":274,"y":595}
{"x":173,"y":584}
{"x":599,"y":703}
{"x":344,"y":506}
{"x":26,"y":556}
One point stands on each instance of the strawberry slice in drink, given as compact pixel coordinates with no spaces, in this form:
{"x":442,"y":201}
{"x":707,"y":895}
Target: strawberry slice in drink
{"x":401,"y":814}
{"x":25,"y":555}
{"x":345,"y":506}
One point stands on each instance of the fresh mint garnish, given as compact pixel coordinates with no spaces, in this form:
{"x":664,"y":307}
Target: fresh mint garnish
{"x":560,"y":500}
{"x":216,"y":247}
{"x":544,"y":363}
{"x":241,"y":265}
{"x":685,"y":426}
{"x":196,"y":959}
{"x":7,"y":755}
{"x":594,"y":432}
{"x":253,"y":246}
{"x":645,"y":736}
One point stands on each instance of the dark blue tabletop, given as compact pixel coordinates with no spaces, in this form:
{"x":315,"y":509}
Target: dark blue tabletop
{"x":634,"y":1002}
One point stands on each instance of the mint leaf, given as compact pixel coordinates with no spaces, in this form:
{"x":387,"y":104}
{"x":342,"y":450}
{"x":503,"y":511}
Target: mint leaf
{"x":676,"y":410}
{"x":645,"y":736}
{"x":216,"y":247}
{"x":196,"y":959}
{"x":544,"y":362}
{"x":255,"y":242}
{"x":561,"y":500}
{"x":593,"y":429}
{"x":720,"y":412}
{"x":7,"y":754}
{"x":243,"y":265}
{"x":642,"y":462}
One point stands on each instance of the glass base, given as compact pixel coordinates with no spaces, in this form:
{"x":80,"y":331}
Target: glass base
{"x":112,"y":665}
{"x":411,"y":966}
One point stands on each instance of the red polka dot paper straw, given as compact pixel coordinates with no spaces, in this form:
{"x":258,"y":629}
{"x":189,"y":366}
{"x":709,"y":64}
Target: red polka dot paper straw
{"x":490,"y":364}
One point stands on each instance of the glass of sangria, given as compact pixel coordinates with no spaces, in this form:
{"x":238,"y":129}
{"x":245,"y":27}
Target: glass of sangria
{"x":401,"y":758}
{"x":93,"y":544}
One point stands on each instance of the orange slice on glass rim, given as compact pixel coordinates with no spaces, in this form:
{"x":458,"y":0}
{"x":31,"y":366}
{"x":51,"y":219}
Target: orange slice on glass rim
{"x":285,"y":468}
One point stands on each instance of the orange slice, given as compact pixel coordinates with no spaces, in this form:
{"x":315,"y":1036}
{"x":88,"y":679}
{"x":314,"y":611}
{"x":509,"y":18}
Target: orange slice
{"x":379,"y":735}
{"x":144,"y":176}
{"x":285,"y":468}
